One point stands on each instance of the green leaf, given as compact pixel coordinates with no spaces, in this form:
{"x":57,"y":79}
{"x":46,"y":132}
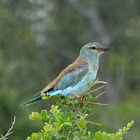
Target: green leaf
{"x":44,"y":96}
{"x":113,"y":136}
{"x":125,"y":129}
{"x":34,"y":136}
{"x":35,"y":116}
{"x":62,"y":138}
{"x":88,"y":107}
{"x":58,"y":125}
{"x":67,"y":123}
{"x":58,"y":102}
{"x":120,"y":131}
{"x":62,"y":101}
{"x":48,"y":128}
{"x":118,"y":135}
{"x":40,"y":134}
{"x":54,"y":110}
{"x":71,"y":137}
{"x":82,"y":132}
{"x":98,"y":135}
{"x":73,"y":121}
{"x":68,"y":116}
{"x":63,"y":97}
{"x":90,"y":135}
{"x":60,"y":119}
{"x":90,"y":98}
{"x":28,"y":138}
{"x":82,"y":124}
{"x":44,"y":115}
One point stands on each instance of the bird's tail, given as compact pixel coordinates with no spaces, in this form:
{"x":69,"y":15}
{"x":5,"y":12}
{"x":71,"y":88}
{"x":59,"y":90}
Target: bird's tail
{"x":33,"y":101}
{"x":39,"y":98}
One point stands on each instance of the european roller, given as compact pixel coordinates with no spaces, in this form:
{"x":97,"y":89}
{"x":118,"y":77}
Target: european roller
{"x":73,"y":80}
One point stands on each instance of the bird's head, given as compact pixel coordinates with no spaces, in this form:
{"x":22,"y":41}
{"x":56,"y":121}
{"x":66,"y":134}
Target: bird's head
{"x":92,"y":51}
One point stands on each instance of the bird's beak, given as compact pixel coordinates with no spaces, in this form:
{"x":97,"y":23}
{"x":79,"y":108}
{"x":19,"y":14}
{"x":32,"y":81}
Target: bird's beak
{"x":105,"y":49}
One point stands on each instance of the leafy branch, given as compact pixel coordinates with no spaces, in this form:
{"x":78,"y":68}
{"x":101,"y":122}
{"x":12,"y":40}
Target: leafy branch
{"x":71,"y":124}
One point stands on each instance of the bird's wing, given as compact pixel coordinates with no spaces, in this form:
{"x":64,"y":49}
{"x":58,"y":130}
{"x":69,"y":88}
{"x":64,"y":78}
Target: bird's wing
{"x":73,"y":70}
{"x":72,"y":78}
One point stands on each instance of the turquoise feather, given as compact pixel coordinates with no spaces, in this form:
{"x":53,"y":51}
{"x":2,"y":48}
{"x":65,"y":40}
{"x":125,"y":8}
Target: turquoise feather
{"x":75,"y":78}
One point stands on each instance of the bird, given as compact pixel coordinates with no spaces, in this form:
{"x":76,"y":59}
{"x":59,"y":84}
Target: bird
{"x":73,"y":80}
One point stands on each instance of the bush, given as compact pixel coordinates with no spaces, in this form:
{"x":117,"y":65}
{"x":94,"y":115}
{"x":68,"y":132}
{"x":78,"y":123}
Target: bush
{"x":71,"y":124}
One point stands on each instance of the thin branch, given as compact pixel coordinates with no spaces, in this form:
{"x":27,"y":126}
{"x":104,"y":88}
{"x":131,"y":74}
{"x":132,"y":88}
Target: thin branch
{"x":96,"y":103}
{"x":75,"y":136}
{"x":100,"y":94}
{"x":78,"y":108}
{"x":96,"y":89}
{"x":89,"y":115}
{"x":92,"y":122}
{"x":9,"y":131}
{"x":94,"y":83}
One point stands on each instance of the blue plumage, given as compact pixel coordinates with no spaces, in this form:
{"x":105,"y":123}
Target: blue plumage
{"x":74,"y":79}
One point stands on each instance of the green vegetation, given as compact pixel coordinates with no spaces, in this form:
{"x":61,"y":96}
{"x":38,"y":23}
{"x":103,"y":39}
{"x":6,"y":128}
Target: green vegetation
{"x":66,"y":125}
{"x":71,"y":124}
{"x":38,"y":38}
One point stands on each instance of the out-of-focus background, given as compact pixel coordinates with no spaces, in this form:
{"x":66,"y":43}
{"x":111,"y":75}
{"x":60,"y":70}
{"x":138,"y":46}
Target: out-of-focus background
{"x":38,"y":38}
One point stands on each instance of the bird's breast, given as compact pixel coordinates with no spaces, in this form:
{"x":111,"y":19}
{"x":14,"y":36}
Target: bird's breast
{"x":90,"y":76}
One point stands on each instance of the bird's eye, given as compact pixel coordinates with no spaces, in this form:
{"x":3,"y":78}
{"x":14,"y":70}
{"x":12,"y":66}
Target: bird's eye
{"x":93,"y":48}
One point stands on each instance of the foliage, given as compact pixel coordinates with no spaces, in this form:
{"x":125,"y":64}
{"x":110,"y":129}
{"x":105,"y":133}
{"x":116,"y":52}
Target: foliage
{"x":113,"y":136}
{"x":66,"y":125}
{"x":38,"y":38}
{"x":71,"y":124}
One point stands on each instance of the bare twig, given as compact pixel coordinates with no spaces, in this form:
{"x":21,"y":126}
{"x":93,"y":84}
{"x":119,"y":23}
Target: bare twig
{"x":96,"y":103}
{"x":100,"y":94}
{"x":96,"y":89}
{"x":94,"y":83}
{"x":75,"y":136}
{"x":9,"y":131}
{"x":92,"y":122}
{"x":78,"y":107}
{"x":89,"y":115}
